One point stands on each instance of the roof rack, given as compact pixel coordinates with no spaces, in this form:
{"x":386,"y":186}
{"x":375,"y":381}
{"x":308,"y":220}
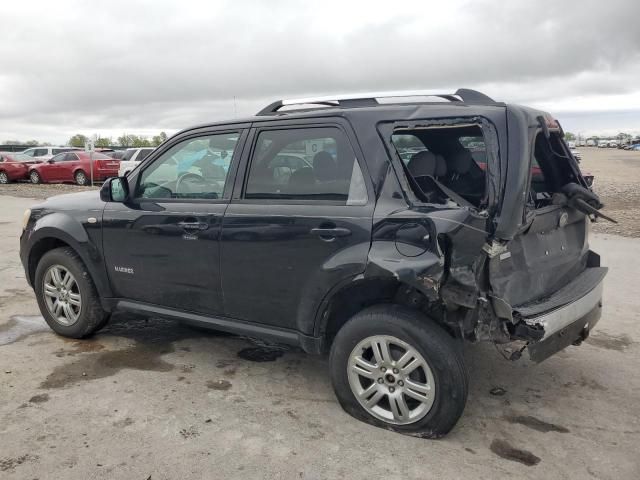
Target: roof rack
{"x":464,"y":95}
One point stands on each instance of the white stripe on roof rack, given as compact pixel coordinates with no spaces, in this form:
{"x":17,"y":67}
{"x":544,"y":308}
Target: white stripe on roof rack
{"x":359,"y":96}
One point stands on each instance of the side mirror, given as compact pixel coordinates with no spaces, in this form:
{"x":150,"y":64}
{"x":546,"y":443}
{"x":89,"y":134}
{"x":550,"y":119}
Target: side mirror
{"x":115,"y":190}
{"x":51,"y":161}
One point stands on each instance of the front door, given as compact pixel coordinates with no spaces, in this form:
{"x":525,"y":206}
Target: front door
{"x":162,"y":246}
{"x":298,"y":225}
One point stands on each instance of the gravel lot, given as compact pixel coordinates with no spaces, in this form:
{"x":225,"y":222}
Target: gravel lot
{"x":617,"y":181}
{"x":156,"y":400}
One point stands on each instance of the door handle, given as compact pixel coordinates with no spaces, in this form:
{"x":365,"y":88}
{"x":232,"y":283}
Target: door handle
{"x":330,"y":233}
{"x":193,"y":225}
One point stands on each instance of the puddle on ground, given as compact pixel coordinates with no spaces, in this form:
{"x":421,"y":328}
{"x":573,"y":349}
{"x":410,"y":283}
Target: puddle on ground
{"x":537,"y":424}
{"x":21,"y":326}
{"x":618,"y":343}
{"x":261,"y":354}
{"x":43,"y":397}
{"x":151,"y":339}
{"x":506,"y":451}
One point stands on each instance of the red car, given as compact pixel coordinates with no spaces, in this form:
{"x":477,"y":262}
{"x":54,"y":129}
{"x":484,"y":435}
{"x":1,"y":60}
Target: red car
{"x":74,"y":167}
{"x":13,"y":167}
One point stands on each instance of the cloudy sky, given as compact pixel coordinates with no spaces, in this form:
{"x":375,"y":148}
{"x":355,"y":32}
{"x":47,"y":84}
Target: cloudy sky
{"x":107,"y":67}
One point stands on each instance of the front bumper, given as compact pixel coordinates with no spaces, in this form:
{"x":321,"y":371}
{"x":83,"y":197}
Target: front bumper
{"x":568,"y":316}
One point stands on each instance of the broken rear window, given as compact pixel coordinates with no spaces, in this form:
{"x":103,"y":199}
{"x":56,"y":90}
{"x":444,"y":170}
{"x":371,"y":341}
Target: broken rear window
{"x":445,"y":163}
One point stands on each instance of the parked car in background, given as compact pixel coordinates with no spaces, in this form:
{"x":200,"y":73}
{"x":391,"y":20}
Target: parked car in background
{"x":636,"y":147}
{"x":603,"y":144}
{"x":132,"y":157}
{"x":613,"y":144}
{"x":591,"y":143}
{"x":45,"y":153}
{"x":576,"y":153}
{"x":13,"y":166}
{"x":115,"y":154}
{"x":74,"y":167}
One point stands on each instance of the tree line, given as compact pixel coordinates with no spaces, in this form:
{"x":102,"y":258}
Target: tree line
{"x":125,"y":140}
{"x":80,"y":140}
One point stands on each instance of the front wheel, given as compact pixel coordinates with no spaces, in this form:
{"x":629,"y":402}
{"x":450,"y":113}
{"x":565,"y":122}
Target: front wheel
{"x":395,"y":368}
{"x":67,"y":296}
{"x":35,"y":177}
{"x":4,"y":178}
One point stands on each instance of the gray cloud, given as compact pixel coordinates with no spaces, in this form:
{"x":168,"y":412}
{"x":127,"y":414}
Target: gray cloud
{"x":113,"y":66}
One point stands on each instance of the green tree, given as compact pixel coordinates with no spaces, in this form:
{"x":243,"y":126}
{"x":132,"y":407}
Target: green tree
{"x":32,"y":143}
{"x":78,"y":140}
{"x":140,"y":141}
{"x":125,"y":140}
{"x":569,"y":137}
{"x":158,"y":139}
{"x":103,"y":142}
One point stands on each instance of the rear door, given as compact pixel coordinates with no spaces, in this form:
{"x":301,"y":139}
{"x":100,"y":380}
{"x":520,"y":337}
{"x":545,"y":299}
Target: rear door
{"x":162,"y":247}
{"x":299,"y":223}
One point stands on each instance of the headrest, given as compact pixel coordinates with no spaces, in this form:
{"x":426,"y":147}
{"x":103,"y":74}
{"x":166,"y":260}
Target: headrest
{"x":461,"y":161}
{"x":427,"y":163}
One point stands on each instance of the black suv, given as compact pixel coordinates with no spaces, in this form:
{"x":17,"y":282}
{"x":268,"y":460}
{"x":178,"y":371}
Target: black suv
{"x":383,"y":231}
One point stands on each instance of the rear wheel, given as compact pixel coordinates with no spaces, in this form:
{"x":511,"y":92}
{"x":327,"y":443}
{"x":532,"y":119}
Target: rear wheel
{"x":67,"y":296}
{"x":35,"y":177}
{"x":81,"y":178}
{"x":4,"y":178}
{"x":394,"y":368}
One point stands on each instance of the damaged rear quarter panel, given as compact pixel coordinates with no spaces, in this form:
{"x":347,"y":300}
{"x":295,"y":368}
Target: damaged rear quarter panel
{"x":442,"y":263}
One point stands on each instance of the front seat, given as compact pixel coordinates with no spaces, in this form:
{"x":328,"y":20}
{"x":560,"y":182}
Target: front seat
{"x":302,"y":181}
{"x":324,"y":167}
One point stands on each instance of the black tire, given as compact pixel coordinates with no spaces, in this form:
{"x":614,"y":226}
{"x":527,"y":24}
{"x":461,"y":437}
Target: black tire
{"x":81,"y":178}
{"x":92,"y":316}
{"x":4,"y":178}
{"x":35,"y":177}
{"x":441,"y":351}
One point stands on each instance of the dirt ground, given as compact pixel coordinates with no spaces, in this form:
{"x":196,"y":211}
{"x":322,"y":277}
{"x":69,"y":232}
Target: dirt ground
{"x":617,"y":182}
{"x":157,"y":400}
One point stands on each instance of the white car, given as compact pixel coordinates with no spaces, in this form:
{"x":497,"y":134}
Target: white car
{"x":132,"y":158}
{"x":45,"y":153}
{"x":576,"y":154}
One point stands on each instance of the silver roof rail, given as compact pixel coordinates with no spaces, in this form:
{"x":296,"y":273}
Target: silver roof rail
{"x":371,"y":99}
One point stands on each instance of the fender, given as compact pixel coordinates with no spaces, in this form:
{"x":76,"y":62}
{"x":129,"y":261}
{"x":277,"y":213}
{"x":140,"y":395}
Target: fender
{"x":85,"y":239}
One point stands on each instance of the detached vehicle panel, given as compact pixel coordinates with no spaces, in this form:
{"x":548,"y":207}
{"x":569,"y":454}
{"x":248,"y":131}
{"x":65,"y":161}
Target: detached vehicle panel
{"x":384,"y":233}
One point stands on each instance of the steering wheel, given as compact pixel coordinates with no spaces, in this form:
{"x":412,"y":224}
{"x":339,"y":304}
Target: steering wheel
{"x":190,"y":178}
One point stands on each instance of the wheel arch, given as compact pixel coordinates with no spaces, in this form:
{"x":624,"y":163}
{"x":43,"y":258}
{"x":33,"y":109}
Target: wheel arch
{"x":360,"y":294}
{"x":47,"y":238}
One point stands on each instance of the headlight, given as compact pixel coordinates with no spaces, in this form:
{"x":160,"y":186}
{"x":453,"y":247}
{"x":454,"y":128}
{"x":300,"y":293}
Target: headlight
{"x":25,"y":218}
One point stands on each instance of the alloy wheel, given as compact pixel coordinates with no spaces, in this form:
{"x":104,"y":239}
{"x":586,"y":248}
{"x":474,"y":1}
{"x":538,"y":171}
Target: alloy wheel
{"x":35,"y":178}
{"x":81,"y":178}
{"x":4,"y":178}
{"x":391,"y":380}
{"x":62,"y":295}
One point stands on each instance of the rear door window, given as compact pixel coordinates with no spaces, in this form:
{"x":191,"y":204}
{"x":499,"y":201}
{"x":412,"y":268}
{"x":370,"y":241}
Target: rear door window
{"x":305,"y":164}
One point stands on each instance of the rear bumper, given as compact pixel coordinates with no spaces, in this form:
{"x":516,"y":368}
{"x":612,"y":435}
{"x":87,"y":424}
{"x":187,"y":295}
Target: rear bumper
{"x":568,"y":316}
